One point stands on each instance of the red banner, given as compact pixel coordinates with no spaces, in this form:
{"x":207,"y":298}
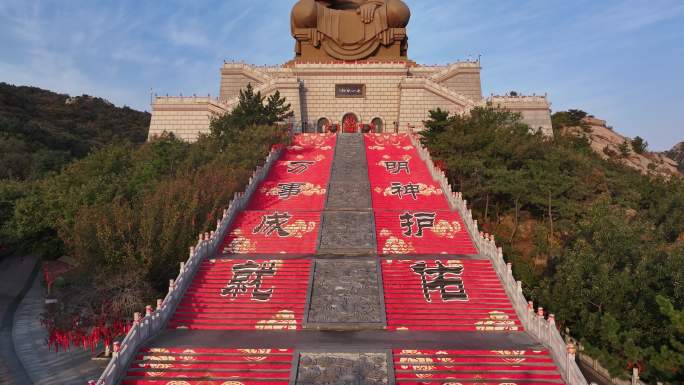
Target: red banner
{"x":474,"y":367}
{"x":273,"y":232}
{"x":422,"y":232}
{"x":446,"y":295}
{"x":201,"y":366}
{"x":245,"y":295}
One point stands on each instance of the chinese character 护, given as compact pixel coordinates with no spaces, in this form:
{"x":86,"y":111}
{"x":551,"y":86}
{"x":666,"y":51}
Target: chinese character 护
{"x":446,"y":279}
{"x":419,"y":220}
{"x":271,"y":223}
{"x":249,"y":275}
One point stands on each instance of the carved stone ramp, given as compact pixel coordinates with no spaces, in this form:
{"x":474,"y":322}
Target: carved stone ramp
{"x":347,"y":227}
{"x":345,"y":286}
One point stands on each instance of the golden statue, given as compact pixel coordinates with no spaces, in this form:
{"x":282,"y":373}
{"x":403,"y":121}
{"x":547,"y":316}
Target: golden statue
{"x":350,"y":29}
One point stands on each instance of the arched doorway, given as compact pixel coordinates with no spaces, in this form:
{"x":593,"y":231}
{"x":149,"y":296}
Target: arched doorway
{"x":322,"y":124}
{"x":350,"y":123}
{"x":378,"y":125}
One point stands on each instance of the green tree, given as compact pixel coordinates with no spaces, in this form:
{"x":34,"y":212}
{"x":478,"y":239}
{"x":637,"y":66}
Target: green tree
{"x":624,"y":149}
{"x":639,"y":145}
{"x":252,"y":110}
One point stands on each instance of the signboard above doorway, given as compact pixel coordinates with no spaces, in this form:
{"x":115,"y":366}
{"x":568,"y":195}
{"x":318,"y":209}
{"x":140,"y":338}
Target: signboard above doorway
{"x":350,"y":90}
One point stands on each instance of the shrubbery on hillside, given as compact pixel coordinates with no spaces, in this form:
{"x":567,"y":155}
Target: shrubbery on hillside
{"x":41,"y":131}
{"x":596,"y":243}
{"x":127,"y":215}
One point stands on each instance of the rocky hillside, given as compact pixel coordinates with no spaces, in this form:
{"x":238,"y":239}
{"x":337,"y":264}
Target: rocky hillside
{"x":677,"y":154}
{"x":41,"y":131}
{"x":612,"y":145}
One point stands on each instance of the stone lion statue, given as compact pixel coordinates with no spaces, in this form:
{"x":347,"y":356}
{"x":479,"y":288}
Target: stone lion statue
{"x":350,"y":29}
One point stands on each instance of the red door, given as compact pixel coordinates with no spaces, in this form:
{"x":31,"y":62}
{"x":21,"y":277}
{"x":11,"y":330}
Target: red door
{"x":350,"y":123}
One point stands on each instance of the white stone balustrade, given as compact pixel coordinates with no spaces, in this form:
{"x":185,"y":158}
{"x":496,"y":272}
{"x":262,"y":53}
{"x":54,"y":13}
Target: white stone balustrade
{"x":541,"y":329}
{"x":155,"y":319}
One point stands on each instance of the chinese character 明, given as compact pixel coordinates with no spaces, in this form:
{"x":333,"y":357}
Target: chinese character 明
{"x":419,"y":220}
{"x":298,"y":167}
{"x":249,"y":275}
{"x":446,"y":279}
{"x":410,"y":189}
{"x":395,"y":167}
{"x":271,"y":223}
{"x":289,"y":190}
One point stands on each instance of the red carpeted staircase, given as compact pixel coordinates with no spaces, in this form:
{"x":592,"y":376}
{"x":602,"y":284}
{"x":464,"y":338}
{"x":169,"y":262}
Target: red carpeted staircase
{"x":433,"y":280}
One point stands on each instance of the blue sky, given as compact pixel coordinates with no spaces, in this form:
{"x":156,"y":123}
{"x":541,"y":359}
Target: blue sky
{"x":622,"y":60}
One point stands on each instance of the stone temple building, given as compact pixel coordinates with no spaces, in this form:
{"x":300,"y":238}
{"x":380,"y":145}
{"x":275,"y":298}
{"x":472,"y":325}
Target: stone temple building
{"x":348,"y":259}
{"x":349,"y":71}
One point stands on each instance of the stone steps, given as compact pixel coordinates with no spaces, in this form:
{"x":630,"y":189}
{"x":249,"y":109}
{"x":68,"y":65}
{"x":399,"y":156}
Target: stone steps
{"x":352,"y":293}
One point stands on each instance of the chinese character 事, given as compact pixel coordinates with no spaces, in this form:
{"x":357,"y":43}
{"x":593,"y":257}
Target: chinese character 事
{"x":299,"y":166}
{"x":419,"y":220}
{"x":401,"y":190}
{"x":289,"y":190}
{"x":273,"y":223}
{"x":249,"y":275}
{"x":395,"y":167}
{"x":446,"y":279}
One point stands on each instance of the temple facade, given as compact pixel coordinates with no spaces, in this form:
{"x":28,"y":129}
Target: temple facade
{"x":350,"y":71}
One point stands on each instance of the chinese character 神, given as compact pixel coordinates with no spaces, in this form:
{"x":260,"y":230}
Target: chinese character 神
{"x":249,"y":275}
{"x":410,"y":189}
{"x":271,"y":223}
{"x":299,"y":167}
{"x":289,"y":190}
{"x":420,"y":220}
{"x":395,"y":167}
{"x":446,"y":279}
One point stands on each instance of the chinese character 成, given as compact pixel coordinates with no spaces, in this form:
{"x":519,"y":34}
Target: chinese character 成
{"x":273,"y":223}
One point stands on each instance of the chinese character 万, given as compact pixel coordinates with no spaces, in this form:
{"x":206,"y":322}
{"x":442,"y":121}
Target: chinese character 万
{"x":446,"y":279}
{"x":271,"y":223}
{"x":289,"y":190}
{"x":299,"y":167}
{"x":395,"y":167}
{"x":419,"y":220}
{"x":249,"y":275}
{"x":400,"y":190}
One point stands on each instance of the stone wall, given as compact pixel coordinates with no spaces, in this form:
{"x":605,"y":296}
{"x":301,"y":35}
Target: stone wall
{"x":381,"y":98}
{"x":400,"y":92}
{"x":185,"y":117}
{"x":535,"y":110}
{"x":420,"y":95}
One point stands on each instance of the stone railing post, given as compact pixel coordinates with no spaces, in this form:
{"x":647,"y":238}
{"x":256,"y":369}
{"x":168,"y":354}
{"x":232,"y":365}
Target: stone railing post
{"x":571,"y":351}
{"x":635,"y":376}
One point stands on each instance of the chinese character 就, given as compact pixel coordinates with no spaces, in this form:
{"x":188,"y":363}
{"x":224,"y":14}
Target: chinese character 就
{"x":395,"y":167}
{"x":249,"y":275}
{"x":289,"y":190}
{"x":446,"y":279}
{"x":299,"y":167}
{"x":419,"y":220}
{"x":273,"y":223}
